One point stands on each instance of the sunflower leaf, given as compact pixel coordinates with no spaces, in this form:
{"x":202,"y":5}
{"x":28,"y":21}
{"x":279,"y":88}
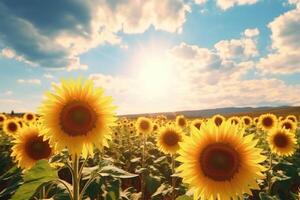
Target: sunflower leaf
{"x":39,"y":174}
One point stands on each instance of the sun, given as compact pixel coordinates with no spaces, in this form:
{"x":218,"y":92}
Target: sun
{"x":154,"y":71}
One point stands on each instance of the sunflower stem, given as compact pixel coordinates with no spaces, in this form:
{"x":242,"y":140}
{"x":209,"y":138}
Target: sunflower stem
{"x":269,"y":173}
{"x":173,"y":177}
{"x":76,"y":175}
{"x":143,"y":183}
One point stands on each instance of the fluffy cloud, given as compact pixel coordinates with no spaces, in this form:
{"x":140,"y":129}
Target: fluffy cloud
{"x":226,"y":4}
{"x":54,"y":34}
{"x":251,"y":32}
{"x":29,"y":81}
{"x":237,"y":49}
{"x":285,"y":43}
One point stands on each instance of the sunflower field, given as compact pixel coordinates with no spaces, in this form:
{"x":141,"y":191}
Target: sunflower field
{"x":75,"y":148}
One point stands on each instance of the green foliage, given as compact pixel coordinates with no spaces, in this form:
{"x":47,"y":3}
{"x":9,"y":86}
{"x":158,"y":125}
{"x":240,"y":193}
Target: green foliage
{"x":33,"y":178}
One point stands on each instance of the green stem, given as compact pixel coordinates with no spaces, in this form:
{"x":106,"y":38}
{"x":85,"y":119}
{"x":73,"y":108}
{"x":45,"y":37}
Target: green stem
{"x":173,"y":177}
{"x":143,"y":183}
{"x":75,"y":179}
{"x":269,"y":174}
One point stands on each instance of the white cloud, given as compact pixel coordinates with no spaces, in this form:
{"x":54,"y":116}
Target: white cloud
{"x":251,"y":32}
{"x":8,"y":93}
{"x":29,"y":81}
{"x":78,"y":26}
{"x":226,"y":4}
{"x":241,"y":49}
{"x":285,"y":55}
{"x":200,"y":2}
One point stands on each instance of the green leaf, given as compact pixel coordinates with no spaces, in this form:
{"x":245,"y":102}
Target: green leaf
{"x":40,"y":173}
{"x":184,"y":197}
{"x":116,"y":172}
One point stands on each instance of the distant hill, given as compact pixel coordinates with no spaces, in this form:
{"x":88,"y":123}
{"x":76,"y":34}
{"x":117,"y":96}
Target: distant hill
{"x":227,"y":112}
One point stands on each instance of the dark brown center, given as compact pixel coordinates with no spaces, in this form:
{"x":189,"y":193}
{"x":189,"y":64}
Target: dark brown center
{"x":12,"y":126}
{"x":181,"y":122}
{"x":287,"y":125}
{"x":1,"y":119}
{"x":219,"y":162}
{"x":234,"y":121}
{"x":29,"y":117}
{"x":280,"y":140}
{"x":77,"y":118}
{"x":198,"y":125}
{"x":247,"y":121}
{"x":171,"y":138}
{"x":144,"y":125}
{"x":38,"y":149}
{"x":218,"y":121}
{"x":267,"y":122}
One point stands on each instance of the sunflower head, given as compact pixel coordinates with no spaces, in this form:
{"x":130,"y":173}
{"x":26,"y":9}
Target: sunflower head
{"x":11,"y":127}
{"x":247,"y":121}
{"x":30,"y":146}
{"x":267,"y":121}
{"x":282,"y":142}
{"x":288,"y":124}
{"x":144,"y":125}
{"x":78,"y":116}
{"x":2,"y":119}
{"x":218,"y":119}
{"x":256,"y":120}
{"x":234,"y":120}
{"x":196,"y":123}
{"x":220,"y":162}
{"x":29,"y":117}
{"x":292,"y":118}
{"x":181,"y":121}
{"x":168,"y":139}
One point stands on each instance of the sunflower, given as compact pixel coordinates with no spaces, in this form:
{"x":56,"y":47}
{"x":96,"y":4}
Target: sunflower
{"x":168,"y":139}
{"x":288,"y":124}
{"x":2,"y":119}
{"x":218,"y":119}
{"x":247,"y":121}
{"x":30,"y":147}
{"x":220,"y":162}
{"x":29,"y":117}
{"x":256,"y":120}
{"x":77,"y":116}
{"x":144,"y":125}
{"x":267,"y":121}
{"x":293,"y":118}
{"x":11,"y":127}
{"x":181,"y":121}
{"x":234,"y":120}
{"x":196,"y":123}
{"x":282,"y":142}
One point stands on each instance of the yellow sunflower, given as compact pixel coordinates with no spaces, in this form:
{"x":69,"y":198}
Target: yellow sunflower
{"x":30,"y":146}
{"x":220,"y":162}
{"x":29,"y":117}
{"x":196,"y":123}
{"x":247,"y":121}
{"x":288,"y":124}
{"x":282,"y":142}
{"x":2,"y":119}
{"x":218,"y":119}
{"x":293,"y":118}
{"x":256,"y":120}
{"x":181,"y":121}
{"x":267,"y":121}
{"x":144,"y":125}
{"x":234,"y":120}
{"x":168,"y":139}
{"x":11,"y":127}
{"x":77,"y":116}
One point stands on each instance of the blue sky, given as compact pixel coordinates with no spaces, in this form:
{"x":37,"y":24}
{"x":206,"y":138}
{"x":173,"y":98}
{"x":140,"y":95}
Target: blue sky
{"x":153,"y":56}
